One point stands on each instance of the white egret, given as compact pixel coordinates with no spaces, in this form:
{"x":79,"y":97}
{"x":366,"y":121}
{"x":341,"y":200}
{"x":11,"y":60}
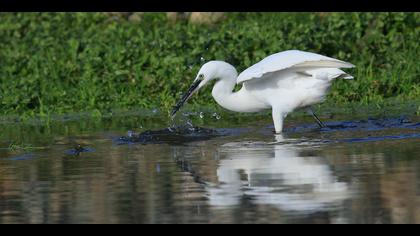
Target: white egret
{"x":282,"y":82}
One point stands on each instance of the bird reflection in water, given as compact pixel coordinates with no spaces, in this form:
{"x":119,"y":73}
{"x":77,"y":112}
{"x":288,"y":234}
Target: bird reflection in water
{"x":275,"y":174}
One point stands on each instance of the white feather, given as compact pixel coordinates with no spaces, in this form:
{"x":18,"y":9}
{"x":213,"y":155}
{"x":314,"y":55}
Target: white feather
{"x":290,"y":59}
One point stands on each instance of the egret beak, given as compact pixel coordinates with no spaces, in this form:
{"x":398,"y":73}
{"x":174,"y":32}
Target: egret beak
{"x":185,"y":97}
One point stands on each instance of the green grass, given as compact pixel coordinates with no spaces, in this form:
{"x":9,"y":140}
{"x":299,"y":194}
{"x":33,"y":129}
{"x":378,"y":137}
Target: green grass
{"x":58,"y":63}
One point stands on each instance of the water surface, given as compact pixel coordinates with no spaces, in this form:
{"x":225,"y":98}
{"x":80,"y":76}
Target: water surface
{"x":362,"y":170}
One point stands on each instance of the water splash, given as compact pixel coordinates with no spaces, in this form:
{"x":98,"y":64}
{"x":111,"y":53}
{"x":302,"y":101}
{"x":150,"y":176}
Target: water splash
{"x":171,"y":135}
{"x":188,"y":114}
{"x":130,"y":134}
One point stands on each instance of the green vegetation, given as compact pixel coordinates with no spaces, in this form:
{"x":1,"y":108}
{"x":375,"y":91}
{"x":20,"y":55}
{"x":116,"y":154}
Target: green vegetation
{"x":57,"y":63}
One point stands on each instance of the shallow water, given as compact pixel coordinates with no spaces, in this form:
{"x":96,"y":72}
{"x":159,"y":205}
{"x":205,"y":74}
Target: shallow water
{"x":352,"y":171}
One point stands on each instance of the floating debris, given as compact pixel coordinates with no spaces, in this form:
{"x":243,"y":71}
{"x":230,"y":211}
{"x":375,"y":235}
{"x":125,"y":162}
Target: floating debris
{"x":79,"y":149}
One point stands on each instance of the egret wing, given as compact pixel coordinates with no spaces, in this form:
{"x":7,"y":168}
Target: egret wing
{"x":290,"y":59}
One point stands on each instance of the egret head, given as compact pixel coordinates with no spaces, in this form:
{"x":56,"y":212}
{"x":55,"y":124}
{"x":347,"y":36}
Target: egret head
{"x":209,"y":71}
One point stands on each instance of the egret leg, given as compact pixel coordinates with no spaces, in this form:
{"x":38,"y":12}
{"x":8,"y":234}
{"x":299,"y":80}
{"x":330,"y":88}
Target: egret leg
{"x":310,"y":111}
{"x":278,"y":117}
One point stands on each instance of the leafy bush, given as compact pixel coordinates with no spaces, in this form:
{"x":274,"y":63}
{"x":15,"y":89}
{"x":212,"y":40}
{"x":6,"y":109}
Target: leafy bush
{"x":73,"y":62}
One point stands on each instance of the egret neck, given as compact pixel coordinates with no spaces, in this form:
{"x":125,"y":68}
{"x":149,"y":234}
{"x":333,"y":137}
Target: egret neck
{"x":223,"y":89}
{"x":240,"y":101}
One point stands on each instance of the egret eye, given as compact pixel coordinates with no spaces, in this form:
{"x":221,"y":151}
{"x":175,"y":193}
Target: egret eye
{"x":201,"y":76}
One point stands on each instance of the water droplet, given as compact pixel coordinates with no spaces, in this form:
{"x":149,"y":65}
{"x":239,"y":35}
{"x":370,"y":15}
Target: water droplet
{"x":217,"y":116}
{"x":187,"y":114}
{"x":172,"y":128}
{"x":202,"y":59}
{"x":201,"y":115}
